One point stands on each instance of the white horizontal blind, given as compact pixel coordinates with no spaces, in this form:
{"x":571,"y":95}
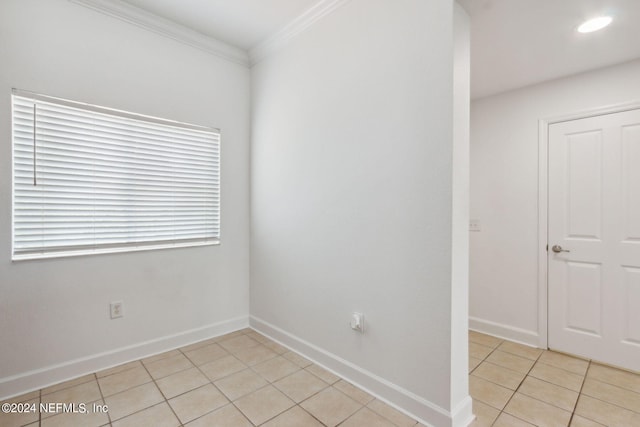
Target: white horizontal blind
{"x":88,"y":179}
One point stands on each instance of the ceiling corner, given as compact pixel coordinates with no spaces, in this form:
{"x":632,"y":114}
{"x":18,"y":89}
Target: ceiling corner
{"x":159,"y":25}
{"x":300,"y":24}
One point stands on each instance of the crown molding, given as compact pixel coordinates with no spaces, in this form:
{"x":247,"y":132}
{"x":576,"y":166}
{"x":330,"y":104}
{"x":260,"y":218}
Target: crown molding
{"x":293,"y":29}
{"x":180,"y":33}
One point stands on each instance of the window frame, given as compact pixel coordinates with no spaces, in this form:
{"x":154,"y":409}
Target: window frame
{"x":52,"y":252}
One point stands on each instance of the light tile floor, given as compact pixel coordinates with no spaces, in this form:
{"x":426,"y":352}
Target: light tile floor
{"x":239,"y":379}
{"x":245,"y":379}
{"x":513,"y":385}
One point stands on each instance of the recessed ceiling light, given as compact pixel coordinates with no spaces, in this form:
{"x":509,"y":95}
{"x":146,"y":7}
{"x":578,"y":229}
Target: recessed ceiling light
{"x":595,"y":24}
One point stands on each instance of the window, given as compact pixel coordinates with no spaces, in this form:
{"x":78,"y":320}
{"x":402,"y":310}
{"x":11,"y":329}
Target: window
{"x":89,"y":179}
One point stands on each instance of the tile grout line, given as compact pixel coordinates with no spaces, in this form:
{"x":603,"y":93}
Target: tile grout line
{"x":233,"y":373}
{"x":628,"y":390}
{"x":522,"y":382}
{"x":507,"y":369}
{"x":161,"y":393}
{"x":117,"y":372}
{"x":539,"y":379}
{"x":580,"y":393}
{"x":243,"y":332}
{"x":339,"y":391}
{"x":517,"y":388}
{"x":211,"y":381}
{"x":537,"y":360}
{"x":487,"y":356}
{"x":605,"y":401}
{"x":296,"y":404}
{"x":553,"y":384}
{"x":189,"y":391}
{"x":104,"y":402}
{"x":268,"y":383}
{"x":70,"y":386}
{"x":352,"y":415}
{"x":575,"y":406}
{"x":305,"y":399}
{"x":503,"y":367}
{"x":485,"y":360}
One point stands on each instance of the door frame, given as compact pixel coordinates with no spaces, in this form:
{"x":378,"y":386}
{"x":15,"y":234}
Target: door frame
{"x":543,"y":203}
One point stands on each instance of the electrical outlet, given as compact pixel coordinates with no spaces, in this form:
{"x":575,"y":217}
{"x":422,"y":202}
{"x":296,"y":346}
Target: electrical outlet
{"x":474,"y":225}
{"x":116,"y":309}
{"x":357,"y":322}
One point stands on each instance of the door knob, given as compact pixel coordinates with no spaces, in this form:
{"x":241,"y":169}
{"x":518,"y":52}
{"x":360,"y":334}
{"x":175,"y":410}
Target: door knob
{"x":557,"y":249}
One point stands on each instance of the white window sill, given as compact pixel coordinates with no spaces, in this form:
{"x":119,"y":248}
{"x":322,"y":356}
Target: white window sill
{"x":85,"y":252}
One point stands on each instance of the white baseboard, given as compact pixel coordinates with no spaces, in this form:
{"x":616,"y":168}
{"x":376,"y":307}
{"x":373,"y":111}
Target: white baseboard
{"x":36,"y":379}
{"x":463,"y":414}
{"x":403,"y":400}
{"x":506,"y":332}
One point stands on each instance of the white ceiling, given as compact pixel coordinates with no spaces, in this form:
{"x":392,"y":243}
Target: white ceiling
{"x":516,"y":43}
{"x":241,"y":23}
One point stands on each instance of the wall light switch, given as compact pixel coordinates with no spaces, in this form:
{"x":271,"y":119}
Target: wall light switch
{"x":474,"y":225}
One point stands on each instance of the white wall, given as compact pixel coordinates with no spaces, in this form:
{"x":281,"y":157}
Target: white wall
{"x":53,"y":312}
{"x":504,"y":192}
{"x":352,"y":200}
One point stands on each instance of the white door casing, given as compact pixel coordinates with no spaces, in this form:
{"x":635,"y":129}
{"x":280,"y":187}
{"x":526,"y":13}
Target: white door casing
{"x":594,"y":212}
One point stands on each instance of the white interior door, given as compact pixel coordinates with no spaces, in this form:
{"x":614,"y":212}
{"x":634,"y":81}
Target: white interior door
{"x":594,"y":224}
